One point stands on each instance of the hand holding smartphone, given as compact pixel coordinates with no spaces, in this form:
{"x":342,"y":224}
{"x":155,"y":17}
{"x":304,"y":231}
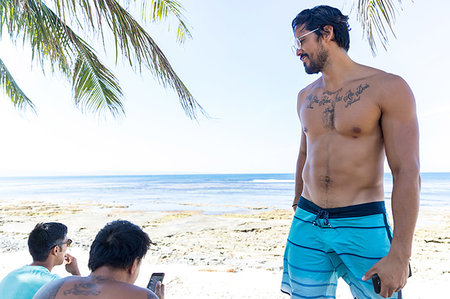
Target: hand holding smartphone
{"x":154,"y":279}
{"x":377,"y":282}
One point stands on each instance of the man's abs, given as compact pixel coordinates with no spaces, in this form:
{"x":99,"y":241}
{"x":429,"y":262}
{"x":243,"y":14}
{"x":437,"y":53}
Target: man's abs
{"x":341,"y":171}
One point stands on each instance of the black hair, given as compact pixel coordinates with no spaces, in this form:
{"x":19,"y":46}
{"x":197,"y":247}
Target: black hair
{"x":322,"y":15}
{"x":44,"y":237}
{"x":117,"y":245}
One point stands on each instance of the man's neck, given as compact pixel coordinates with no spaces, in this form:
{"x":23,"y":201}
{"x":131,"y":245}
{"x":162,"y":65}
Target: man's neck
{"x":338,"y":70}
{"x":108,"y":273}
{"x":46,"y":264}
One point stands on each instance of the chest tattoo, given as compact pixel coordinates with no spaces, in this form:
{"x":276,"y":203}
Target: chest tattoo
{"x":329,"y":99}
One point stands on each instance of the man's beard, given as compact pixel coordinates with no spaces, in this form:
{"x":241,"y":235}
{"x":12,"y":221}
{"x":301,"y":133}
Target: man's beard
{"x":316,"y":65}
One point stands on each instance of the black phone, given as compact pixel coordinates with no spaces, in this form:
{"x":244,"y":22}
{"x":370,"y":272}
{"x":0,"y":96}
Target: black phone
{"x":154,"y":279}
{"x":377,"y":282}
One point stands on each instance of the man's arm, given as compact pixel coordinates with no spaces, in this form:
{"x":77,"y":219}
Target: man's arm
{"x":401,"y":138}
{"x":301,"y":155}
{"x":299,"y":170}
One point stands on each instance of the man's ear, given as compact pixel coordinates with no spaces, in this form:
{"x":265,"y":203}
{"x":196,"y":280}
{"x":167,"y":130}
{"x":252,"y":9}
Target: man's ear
{"x":132,"y":269}
{"x":54,"y":250}
{"x":328,"y":33}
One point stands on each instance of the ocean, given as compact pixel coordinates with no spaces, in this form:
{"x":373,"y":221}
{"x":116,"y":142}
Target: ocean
{"x":211,"y":193}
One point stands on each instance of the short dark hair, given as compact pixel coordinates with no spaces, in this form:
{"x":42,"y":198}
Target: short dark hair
{"x":322,"y":15}
{"x":44,"y":237}
{"x":117,"y":245}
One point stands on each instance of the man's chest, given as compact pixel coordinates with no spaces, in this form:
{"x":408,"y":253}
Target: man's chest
{"x":351,"y":111}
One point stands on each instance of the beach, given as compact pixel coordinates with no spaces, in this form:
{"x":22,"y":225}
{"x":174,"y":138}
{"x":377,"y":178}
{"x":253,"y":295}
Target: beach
{"x":230,"y":255}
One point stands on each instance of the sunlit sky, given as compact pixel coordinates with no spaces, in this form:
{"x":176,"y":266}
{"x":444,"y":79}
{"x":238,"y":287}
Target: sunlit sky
{"x":240,"y":68}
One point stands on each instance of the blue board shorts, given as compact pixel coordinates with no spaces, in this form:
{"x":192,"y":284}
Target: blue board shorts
{"x":325,"y":244}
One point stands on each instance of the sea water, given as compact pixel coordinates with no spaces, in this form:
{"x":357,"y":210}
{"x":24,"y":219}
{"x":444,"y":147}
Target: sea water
{"x":210,"y":193}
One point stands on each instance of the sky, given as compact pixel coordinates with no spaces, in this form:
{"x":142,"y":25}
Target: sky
{"x":240,"y":68}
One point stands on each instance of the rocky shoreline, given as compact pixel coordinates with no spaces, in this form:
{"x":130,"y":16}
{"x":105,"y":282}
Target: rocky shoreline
{"x":229,"y":244}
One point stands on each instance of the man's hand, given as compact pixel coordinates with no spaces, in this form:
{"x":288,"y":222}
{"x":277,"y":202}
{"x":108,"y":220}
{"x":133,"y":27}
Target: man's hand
{"x":393,"y":272}
{"x":159,"y":290}
{"x":294,"y":204}
{"x":71,"y":264}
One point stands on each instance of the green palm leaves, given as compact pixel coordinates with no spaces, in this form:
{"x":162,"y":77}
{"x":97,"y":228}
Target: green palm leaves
{"x":375,"y":17}
{"x":95,"y":88}
{"x":19,"y":99}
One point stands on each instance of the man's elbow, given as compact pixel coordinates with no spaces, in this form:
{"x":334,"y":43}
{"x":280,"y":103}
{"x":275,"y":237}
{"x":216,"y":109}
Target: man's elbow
{"x":410,"y":172}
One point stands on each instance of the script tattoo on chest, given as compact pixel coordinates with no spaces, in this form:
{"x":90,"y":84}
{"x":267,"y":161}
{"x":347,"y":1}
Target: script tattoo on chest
{"x":329,"y":99}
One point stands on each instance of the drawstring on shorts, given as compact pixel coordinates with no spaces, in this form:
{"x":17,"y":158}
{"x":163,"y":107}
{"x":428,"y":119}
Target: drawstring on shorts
{"x":323,"y":214}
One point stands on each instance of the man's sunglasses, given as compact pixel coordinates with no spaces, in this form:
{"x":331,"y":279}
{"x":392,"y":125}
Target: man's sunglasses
{"x":68,"y":243}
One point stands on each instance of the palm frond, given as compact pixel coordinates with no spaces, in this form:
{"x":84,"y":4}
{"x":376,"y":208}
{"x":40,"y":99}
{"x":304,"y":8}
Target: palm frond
{"x":136,"y":44}
{"x":95,"y":88}
{"x":13,"y":91}
{"x":161,"y":9}
{"x":376,"y":16}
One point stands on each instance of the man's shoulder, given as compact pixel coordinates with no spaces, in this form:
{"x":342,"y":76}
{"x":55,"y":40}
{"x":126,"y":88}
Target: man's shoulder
{"x":29,"y":274}
{"x":49,"y":290}
{"x":98,"y":288}
{"x":142,"y":292}
{"x":378,"y":77}
{"x":308,"y":89}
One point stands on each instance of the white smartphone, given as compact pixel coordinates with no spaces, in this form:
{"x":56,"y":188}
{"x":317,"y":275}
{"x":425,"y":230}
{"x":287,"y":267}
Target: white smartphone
{"x":154,"y":279}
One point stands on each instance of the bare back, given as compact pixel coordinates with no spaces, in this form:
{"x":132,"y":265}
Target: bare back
{"x":92,"y":287}
{"x":343,"y":141}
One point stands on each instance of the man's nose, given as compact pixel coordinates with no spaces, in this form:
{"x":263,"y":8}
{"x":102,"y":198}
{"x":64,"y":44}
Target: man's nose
{"x":299,"y":52}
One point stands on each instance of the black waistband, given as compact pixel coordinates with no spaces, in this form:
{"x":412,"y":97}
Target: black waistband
{"x":365,"y":209}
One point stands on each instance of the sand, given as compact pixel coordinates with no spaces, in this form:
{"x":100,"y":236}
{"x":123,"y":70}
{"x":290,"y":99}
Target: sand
{"x":212,"y":256}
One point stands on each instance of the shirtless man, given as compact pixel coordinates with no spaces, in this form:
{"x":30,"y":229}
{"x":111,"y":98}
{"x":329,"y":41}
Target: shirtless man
{"x":114,"y":259}
{"x":351,"y":116}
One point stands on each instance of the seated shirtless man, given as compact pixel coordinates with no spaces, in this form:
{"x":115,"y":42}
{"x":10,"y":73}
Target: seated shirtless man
{"x":351,"y":117}
{"x":114,"y":259}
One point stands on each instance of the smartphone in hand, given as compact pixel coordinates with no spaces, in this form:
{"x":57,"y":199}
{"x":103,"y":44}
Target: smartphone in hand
{"x":376,"y":283}
{"x":154,"y":279}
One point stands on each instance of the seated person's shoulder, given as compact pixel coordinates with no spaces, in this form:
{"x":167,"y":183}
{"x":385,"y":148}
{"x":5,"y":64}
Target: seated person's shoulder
{"x":50,"y":290}
{"x":72,"y":287}
{"x":133,"y":291}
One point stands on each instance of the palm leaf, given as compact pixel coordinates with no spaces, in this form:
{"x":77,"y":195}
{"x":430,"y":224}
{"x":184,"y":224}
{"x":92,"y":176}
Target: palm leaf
{"x":376,"y":16}
{"x":136,"y":44}
{"x":13,"y":91}
{"x":95,"y":88}
{"x":161,"y":9}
